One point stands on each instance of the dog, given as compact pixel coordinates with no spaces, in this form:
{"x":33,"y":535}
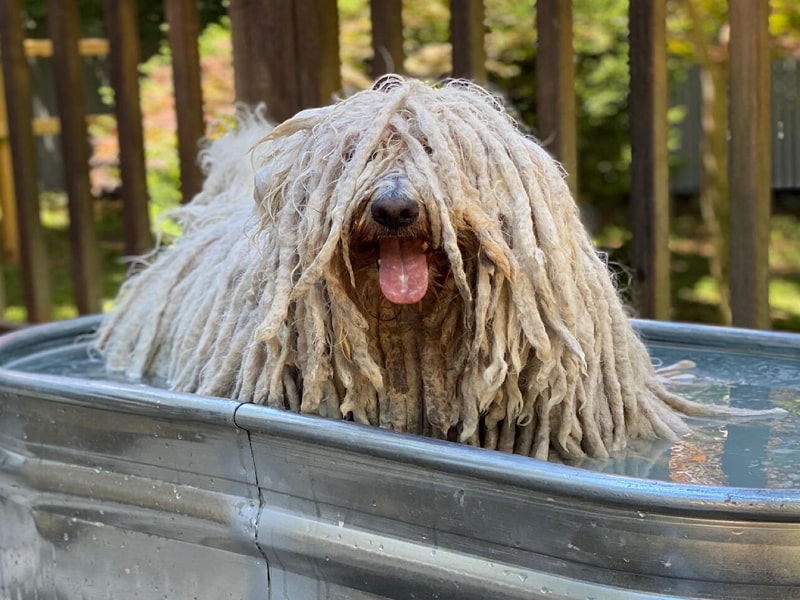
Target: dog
{"x":404,"y":258}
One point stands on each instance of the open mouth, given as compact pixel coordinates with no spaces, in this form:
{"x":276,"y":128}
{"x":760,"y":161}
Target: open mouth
{"x":403,"y":269}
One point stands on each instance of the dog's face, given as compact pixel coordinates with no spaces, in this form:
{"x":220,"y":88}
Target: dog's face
{"x":391,"y":240}
{"x":395,"y":243}
{"x":386,"y":188}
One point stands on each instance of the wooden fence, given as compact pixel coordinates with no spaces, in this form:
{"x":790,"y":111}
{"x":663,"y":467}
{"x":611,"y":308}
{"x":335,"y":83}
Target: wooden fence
{"x":286,"y":52}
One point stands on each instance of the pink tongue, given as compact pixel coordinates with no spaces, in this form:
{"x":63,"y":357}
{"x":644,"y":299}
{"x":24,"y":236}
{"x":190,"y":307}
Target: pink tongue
{"x":403,"y":271}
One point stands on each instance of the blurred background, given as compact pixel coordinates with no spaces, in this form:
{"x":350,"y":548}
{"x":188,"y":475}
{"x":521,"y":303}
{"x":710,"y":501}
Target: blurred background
{"x":697,"y":45}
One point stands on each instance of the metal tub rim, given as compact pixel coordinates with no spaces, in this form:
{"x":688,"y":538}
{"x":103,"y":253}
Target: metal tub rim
{"x":555,"y":480}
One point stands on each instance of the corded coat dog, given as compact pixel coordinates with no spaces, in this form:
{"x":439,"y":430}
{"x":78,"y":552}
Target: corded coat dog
{"x":404,"y":258}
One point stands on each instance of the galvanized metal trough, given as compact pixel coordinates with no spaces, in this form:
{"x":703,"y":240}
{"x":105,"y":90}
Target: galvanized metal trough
{"x":110,"y":490}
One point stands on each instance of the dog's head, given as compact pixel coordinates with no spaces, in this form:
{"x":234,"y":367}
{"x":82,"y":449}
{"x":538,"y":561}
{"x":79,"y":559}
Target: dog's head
{"x":401,"y":186}
{"x":422,"y":197}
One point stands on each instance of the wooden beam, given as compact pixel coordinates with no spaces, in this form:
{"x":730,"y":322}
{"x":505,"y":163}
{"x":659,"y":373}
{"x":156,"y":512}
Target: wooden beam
{"x":555,"y":85}
{"x":387,"y":37}
{"x":316,"y":25}
{"x":43,"y":48}
{"x":184,"y":30}
{"x":68,"y":67}
{"x":7,"y":194}
{"x":52,"y":125}
{"x":259,"y":28}
{"x":123,"y":33}
{"x":649,"y":170}
{"x":750,"y":162}
{"x":19,"y":103}
{"x":285,"y":53}
{"x":467,"y":37}
{"x":3,"y":301}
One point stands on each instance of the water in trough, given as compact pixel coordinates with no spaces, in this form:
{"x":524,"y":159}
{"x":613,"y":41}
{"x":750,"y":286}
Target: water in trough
{"x":757,"y":453}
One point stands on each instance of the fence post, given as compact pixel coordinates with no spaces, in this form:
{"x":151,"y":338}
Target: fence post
{"x":387,"y":37}
{"x":649,"y":170}
{"x":254,"y":33}
{"x":750,"y":177}
{"x":7,"y":195}
{"x":555,"y":85}
{"x":123,"y":34}
{"x":62,"y":18}
{"x":285,"y":53}
{"x":467,"y":37}
{"x":10,"y":234}
{"x":184,"y":30}
{"x":316,"y":25}
{"x":34,"y":263}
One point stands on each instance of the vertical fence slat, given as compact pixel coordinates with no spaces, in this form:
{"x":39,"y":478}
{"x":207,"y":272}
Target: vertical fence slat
{"x":3,"y":302}
{"x":750,"y":162}
{"x":649,"y":172}
{"x":466,"y":35}
{"x":555,"y":85}
{"x":34,"y":262}
{"x":258,"y":34}
{"x":122,"y":31}
{"x":285,"y":53}
{"x":10,"y":233}
{"x":387,"y":37}
{"x":316,"y":26}
{"x":62,"y":18}
{"x":184,"y":30}
{"x":8,"y":202}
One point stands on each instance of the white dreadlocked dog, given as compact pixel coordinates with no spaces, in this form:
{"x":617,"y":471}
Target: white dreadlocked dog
{"x":411,"y":261}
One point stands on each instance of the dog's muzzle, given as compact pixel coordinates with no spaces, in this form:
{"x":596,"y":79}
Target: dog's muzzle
{"x":402,"y":262}
{"x":392,"y":208}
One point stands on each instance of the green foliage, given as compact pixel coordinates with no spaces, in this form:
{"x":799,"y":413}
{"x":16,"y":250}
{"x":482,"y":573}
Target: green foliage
{"x":784,"y":23}
{"x":601,"y":82}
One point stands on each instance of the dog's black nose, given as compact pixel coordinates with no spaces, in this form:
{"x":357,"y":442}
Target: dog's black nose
{"x":394,"y":211}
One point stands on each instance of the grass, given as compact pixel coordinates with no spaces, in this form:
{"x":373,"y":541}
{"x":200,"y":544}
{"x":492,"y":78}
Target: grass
{"x":695,"y":296}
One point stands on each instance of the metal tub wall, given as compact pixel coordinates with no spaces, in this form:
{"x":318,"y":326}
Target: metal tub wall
{"x":122,"y":491}
{"x":119,"y":491}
